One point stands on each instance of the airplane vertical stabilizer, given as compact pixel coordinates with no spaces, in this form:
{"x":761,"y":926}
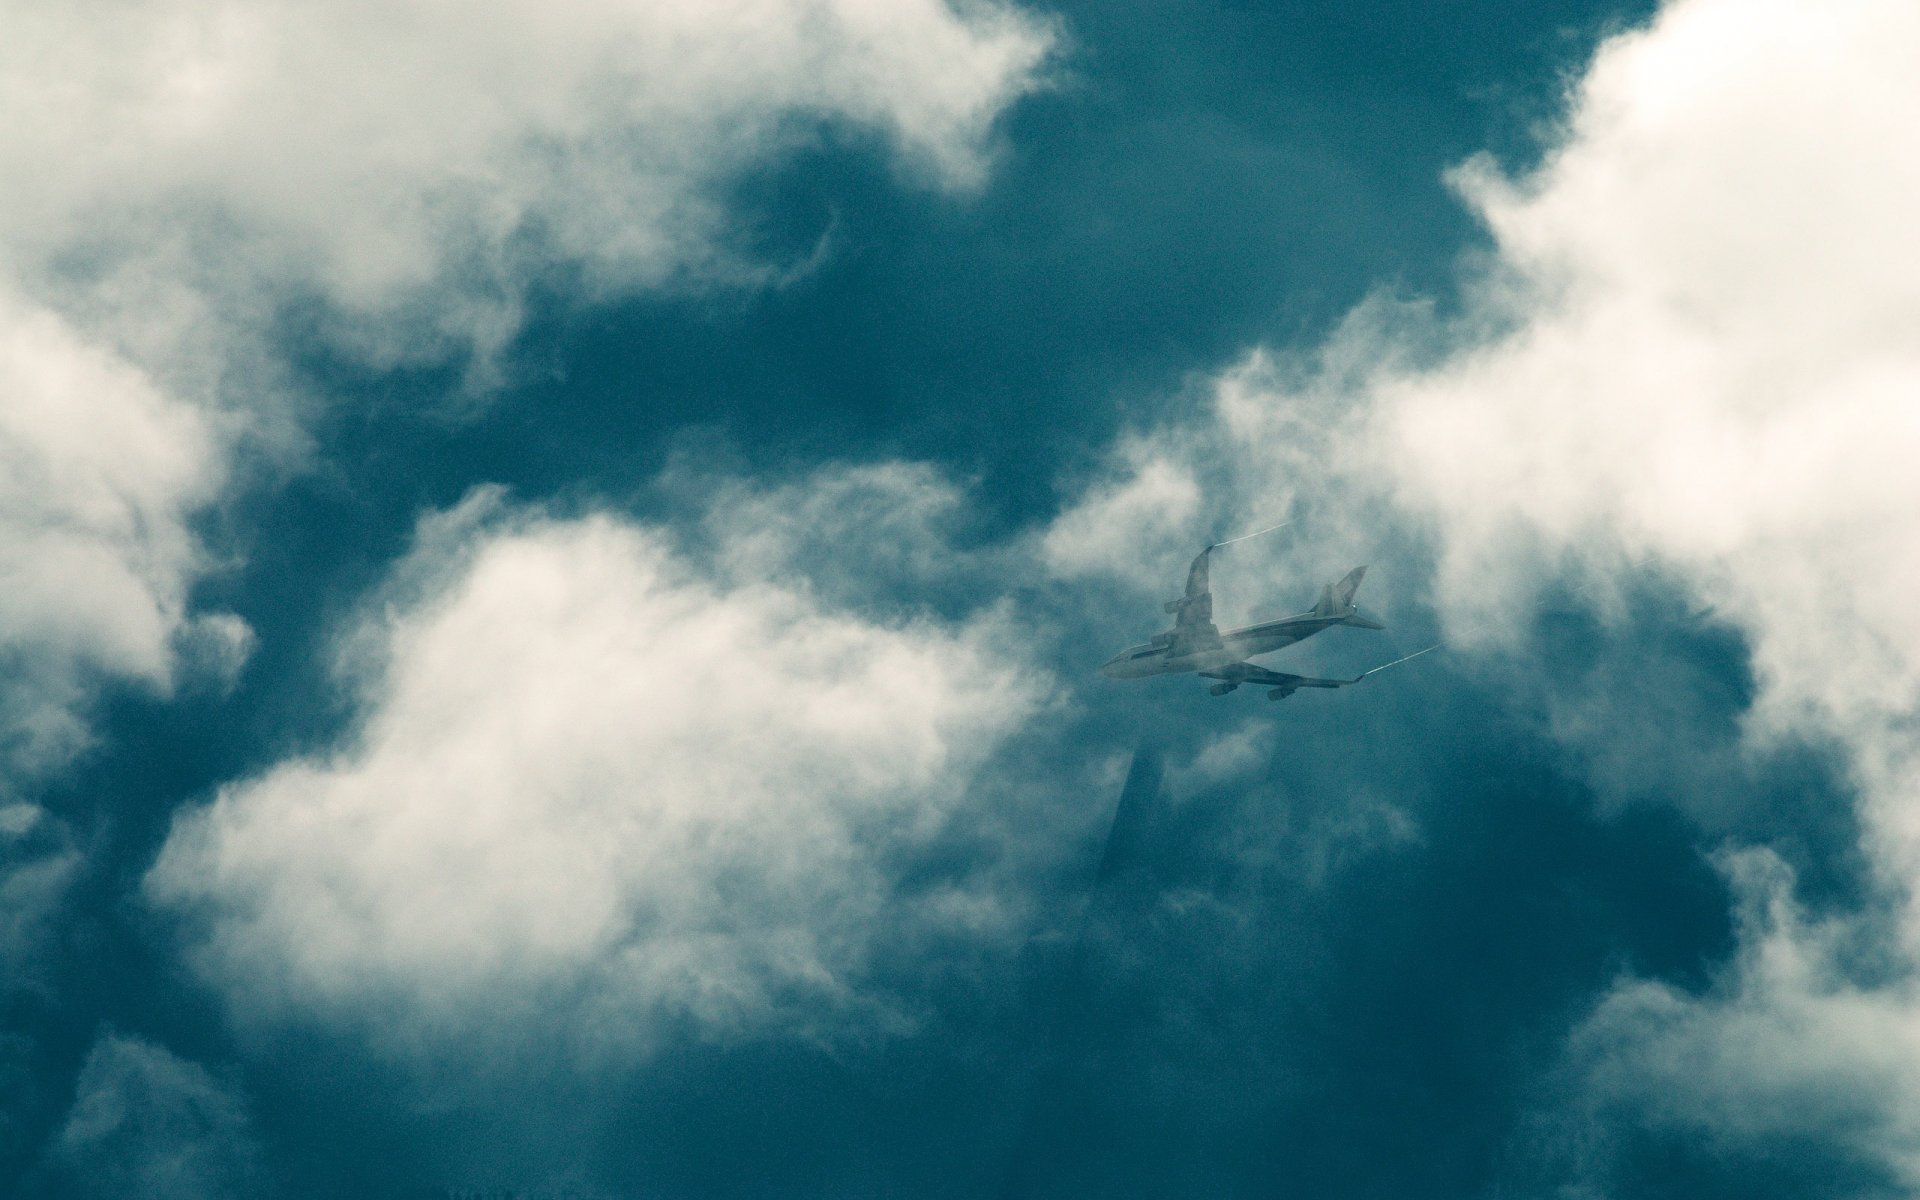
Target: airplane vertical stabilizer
{"x":1336,"y":599}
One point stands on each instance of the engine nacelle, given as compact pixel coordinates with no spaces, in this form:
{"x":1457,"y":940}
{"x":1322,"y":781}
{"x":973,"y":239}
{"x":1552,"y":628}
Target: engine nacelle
{"x":1221,"y":689}
{"x":1174,"y":606}
{"x":1280,"y":693}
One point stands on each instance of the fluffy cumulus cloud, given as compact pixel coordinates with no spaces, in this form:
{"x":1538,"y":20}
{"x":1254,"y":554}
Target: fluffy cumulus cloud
{"x":177,"y":174}
{"x":1711,"y":363}
{"x":1710,"y":368}
{"x":591,"y":776}
{"x":1690,"y":354}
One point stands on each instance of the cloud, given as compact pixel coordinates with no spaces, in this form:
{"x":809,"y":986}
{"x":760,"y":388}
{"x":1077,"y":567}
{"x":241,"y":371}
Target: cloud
{"x":1705,"y":367}
{"x":147,"y":1123}
{"x":1145,"y":515}
{"x":37,"y":866}
{"x":1786,"y":1050}
{"x":849,"y":534}
{"x":592,"y":782}
{"x":103,"y":470}
{"x":416,"y":166}
{"x":178,"y":177}
{"x":1686,"y":363}
{"x":1704,"y":372}
{"x":196,"y":192}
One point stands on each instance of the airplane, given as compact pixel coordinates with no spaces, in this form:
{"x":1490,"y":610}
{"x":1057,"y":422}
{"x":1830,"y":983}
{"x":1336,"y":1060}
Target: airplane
{"x":1195,"y":644}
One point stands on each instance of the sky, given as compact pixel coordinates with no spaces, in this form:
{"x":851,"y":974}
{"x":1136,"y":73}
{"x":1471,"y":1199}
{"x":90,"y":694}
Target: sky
{"x":554,"y":559}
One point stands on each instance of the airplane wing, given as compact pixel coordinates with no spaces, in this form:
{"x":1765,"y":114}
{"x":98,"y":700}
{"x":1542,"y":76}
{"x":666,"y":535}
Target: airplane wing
{"x":1193,"y":627}
{"x":1197,"y":586}
{"x":1234,"y":674}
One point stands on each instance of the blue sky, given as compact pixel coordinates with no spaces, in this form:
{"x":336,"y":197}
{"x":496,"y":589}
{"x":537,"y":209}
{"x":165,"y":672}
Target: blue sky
{"x":556,"y":557}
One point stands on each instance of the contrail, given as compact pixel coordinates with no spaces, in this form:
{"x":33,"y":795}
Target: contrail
{"x":1256,"y":533}
{"x":1396,"y":662}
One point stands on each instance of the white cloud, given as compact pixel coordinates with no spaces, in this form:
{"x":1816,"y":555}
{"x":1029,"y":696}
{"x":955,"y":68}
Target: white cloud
{"x":846,"y":534}
{"x":1708,"y":365}
{"x":421,"y":163}
{"x":147,"y":1123}
{"x":1690,"y":355}
{"x":1279,"y":439}
{"x":1707,"y":368}
{"x":101,"y":470}
{"x":1146,"y":518}
{"x":1786,"y":1048}
{"x":1228,"y":757}
{"x":590,"y":778}
{"x":176,"y":174}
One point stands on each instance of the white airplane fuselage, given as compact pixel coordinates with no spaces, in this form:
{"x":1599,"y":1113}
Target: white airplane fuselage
{"x":1235,"y":645}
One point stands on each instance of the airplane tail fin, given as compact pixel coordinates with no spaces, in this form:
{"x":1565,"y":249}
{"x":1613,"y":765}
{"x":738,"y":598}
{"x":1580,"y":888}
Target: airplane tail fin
{"x":1336,"y":599}
{"x":1343,"y":591}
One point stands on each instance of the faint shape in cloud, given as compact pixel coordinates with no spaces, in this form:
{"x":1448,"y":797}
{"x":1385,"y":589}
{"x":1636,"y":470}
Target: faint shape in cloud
{"x":147,"y":1123}
{"x":594,"y":788}
{"x":1225,"y":758}
{"x":38,"y":863}
{"x":39,"y":866}
{"x":18,"y":1072}
{"x":214,"y":649}
{"x":1318,"y":837}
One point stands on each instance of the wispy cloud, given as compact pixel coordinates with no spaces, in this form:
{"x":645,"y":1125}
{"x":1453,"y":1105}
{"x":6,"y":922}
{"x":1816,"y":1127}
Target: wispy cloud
{"x":145,"y":1122}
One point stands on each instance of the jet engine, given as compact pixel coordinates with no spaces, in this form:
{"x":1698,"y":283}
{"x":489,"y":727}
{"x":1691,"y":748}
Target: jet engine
{"x":1221,"y":689}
